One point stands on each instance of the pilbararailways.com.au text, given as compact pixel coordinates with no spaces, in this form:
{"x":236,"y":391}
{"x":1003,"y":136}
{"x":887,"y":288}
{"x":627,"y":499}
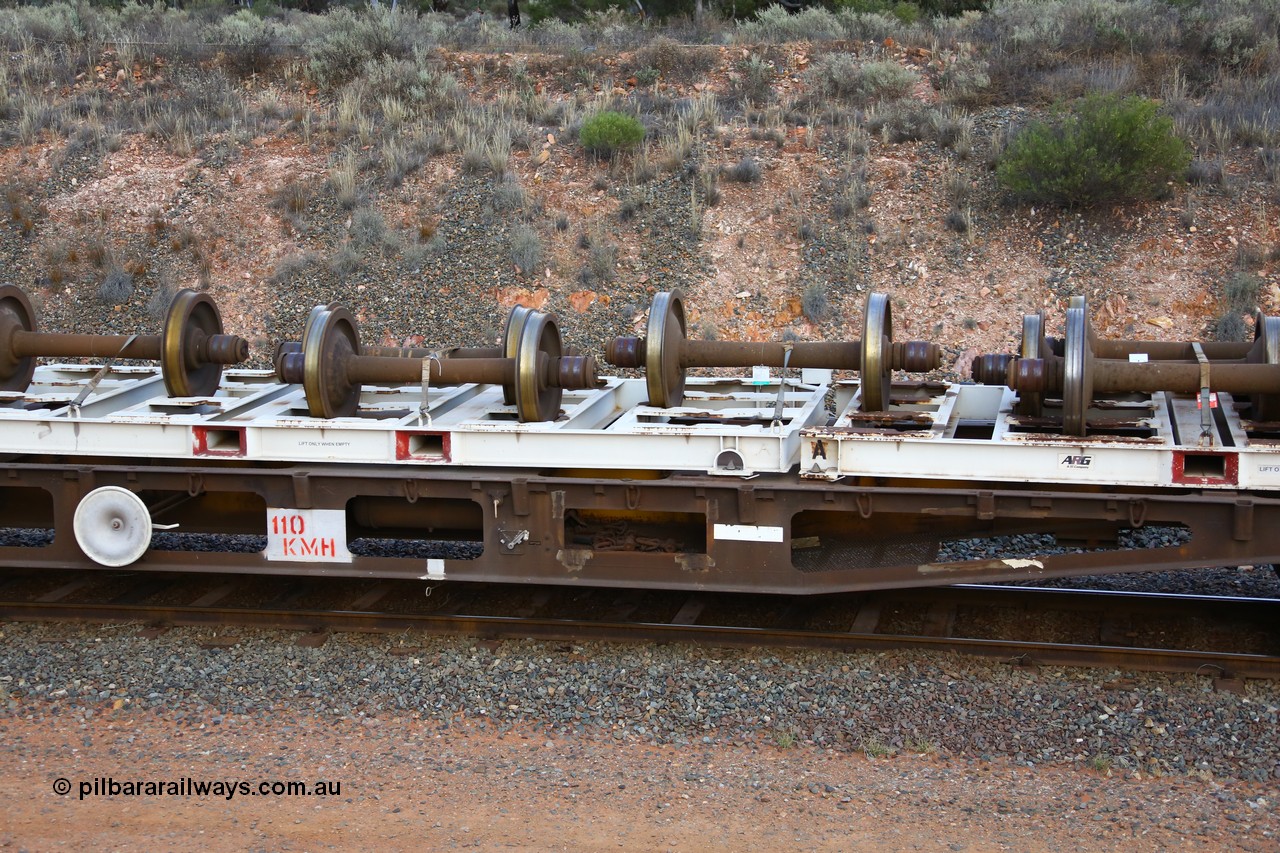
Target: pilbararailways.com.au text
{"x":227,"y":789}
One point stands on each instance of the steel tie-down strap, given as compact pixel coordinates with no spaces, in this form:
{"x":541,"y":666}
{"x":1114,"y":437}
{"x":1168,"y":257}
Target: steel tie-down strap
{"x":424,"y":408}
{"x":1206,"y":416}
{"x":782,"y":387}
{"x":98,"y":377}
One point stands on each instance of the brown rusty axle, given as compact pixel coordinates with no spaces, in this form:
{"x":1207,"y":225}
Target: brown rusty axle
{"x":1164,"y":350}
{"x":570,"y":372}
{"x":212,"y":349}
{"x":914,"y":356}
{"x":1082,"y":365}
{"x":1046,"y":375}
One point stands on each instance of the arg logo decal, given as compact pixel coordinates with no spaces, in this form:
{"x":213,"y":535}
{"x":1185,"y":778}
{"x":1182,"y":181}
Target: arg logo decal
{"x":1074,"y":461}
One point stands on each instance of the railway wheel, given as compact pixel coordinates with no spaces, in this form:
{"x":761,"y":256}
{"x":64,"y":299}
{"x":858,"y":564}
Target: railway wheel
{"x":191,"y":321}
{"x":16,"y":315}
{"x":1266,"y":333}
{"x":877,"y":337}
{"x":663,"y":373}
{"x":1034,"y":345}
{"x":511,"y":335}
{"x":1077,"y":375}
{"x":329,"y":341}
{"x":536,"y":399}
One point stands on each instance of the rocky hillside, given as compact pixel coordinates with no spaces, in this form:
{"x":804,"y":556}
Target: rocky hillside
{"x":426,"y":172}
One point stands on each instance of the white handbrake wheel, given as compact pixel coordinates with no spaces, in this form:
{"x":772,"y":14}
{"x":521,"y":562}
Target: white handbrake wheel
{"x":112,"y":526}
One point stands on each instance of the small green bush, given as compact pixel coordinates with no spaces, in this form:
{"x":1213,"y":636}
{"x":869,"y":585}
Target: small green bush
{"x":1104,"y":149}
{"x":346,"y":41}
{"x":776,"y":24}
{"x":247,"y":42}
{"x":609,"y":132}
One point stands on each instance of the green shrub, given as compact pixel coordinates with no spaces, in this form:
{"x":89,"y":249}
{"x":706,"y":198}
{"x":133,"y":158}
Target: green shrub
{"x":247,"y":42}
{"x":347,"y":40}
{"x":1104,"y":149}
{"x":776,"y":24}
{"x":755,"y":81}
{"x":609,"y":132}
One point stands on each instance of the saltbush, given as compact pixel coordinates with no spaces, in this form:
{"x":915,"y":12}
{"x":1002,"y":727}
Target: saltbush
{"x":247,"y":41}
{"x":609,"y":132}
{"x":116,"y":287}
{"x":526,"y":248}
{"x":776,"y":24}
{"x":1103,"y":149}
{"x":346,"y":41}
{"x":845,"y":76}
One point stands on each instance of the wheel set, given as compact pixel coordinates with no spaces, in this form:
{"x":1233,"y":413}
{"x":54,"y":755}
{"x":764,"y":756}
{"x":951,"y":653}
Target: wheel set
{"x":666,"y":353}
{"x":191,"y":347}
{"x":1081,"y":365}
{"x":532,"y":366}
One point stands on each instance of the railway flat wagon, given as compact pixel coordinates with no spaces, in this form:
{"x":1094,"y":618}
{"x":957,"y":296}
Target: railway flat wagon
{"x":522,"y":462}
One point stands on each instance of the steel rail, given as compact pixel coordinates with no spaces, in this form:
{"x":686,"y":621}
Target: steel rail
{"x":1020,"y":652}
{"x":1104,"y":599}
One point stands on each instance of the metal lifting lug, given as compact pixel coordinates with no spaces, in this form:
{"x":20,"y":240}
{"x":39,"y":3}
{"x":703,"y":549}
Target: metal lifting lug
{"x":520,"y":496}
{"x":301,"y":490}
{"x":986,"y":506}
{"x":1137,"y":513}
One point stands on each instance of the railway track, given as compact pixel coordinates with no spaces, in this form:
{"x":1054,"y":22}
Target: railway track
{"x":1225,"y":638}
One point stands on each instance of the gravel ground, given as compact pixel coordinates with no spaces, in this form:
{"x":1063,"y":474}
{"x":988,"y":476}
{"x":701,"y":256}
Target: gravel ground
{"x":451,"y":282}
{"x":450,"y":743}
{"x":406,"y":784}
{"x":875,"y":703}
